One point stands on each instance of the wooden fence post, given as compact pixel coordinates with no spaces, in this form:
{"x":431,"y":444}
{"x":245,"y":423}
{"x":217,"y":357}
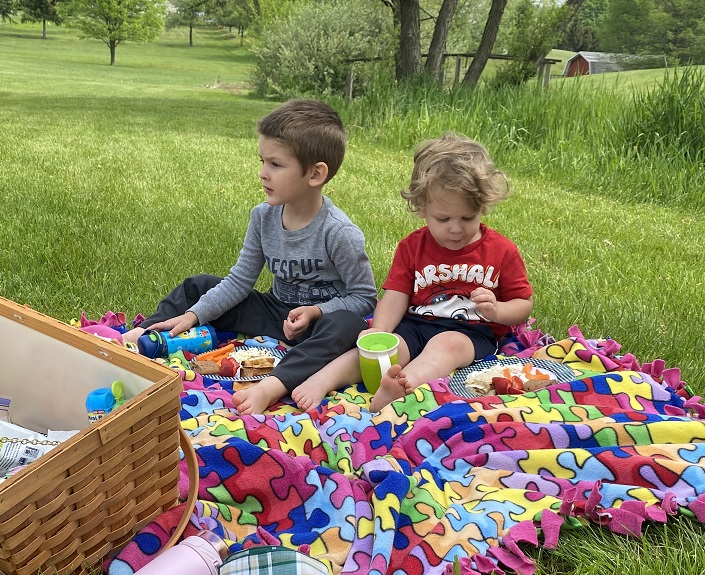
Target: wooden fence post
{"x":349,"y":83}
{"x":546,"y":74}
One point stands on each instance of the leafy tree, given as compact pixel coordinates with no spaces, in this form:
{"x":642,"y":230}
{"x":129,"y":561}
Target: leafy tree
{"x":579,"y":37}
{"x":581,"y":32}
{"x":238,"y":14}
{"x":535,"y":30}
{"x":679,"y":27}
{"x":270,"y":11}
{"x":186,"y":13}
{"x":627,"y":26}
{"x":40,"y":11}
{"x":564,"y":15}
{"x":592,"y":13}
{"x":115,"y":21}
{"x":468,"y":24}
{"x":7,"y":10}
{"x":556,"y":18}
{"x":672,"y":28}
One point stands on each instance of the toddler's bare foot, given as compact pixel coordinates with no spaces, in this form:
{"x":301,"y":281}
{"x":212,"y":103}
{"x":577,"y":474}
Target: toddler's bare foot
{"x":259,"y":397}
{"x":133,"y":335}
{"x":391,"y":387}
{"x":308,"y":395}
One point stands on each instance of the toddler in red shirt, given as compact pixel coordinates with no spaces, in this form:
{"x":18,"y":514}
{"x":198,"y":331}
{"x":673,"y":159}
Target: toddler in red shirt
{"x":454,"y":286}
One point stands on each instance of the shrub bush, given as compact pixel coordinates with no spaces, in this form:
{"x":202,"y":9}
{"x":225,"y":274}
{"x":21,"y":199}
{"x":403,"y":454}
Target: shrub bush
{"x":308,"y":52}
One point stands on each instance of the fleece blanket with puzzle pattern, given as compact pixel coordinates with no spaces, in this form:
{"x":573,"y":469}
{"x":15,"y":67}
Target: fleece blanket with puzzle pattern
{"x":436,"y":478}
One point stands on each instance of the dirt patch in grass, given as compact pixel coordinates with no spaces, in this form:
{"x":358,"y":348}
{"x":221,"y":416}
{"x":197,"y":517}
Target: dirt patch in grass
{"x":240,"y":88}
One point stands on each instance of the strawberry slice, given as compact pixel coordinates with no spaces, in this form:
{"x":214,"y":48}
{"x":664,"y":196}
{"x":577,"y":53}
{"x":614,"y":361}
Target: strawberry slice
{"x":504,"y":386}
{"x":228,"y":367}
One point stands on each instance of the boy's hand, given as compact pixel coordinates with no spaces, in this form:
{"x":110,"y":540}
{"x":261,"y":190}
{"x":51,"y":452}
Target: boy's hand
{"x":485,"y":304}
{"x":177,"y":324}
{"x":299,"y":319}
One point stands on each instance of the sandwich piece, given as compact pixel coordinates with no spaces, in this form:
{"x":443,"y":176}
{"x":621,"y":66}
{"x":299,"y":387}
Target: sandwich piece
{"x":256,"y":366}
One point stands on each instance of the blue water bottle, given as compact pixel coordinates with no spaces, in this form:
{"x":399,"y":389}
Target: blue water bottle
{"x":196,"y":340}
{"x":99,"y":403}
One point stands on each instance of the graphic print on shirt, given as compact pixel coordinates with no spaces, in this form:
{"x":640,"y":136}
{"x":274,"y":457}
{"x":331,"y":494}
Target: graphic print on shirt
{"x":298,"y":281}
{"x":446,"y":290}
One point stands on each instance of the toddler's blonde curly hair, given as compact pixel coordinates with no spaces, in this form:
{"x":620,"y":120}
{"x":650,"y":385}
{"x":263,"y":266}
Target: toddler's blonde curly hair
{"x":456,"y":163}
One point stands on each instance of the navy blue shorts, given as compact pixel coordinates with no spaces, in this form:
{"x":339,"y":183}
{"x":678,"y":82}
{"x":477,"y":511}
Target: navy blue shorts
{"x":416,"y":331}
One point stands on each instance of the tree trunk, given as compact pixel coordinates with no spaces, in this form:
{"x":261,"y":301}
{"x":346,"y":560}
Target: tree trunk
{"x":434,"y":60}
{"x":484,"y":50}
{"x":44,"y":29}
{"x":190,"y":34}
{"x":394,"y":6}
{"x":409,"y":51}
{"x":112,"y":45}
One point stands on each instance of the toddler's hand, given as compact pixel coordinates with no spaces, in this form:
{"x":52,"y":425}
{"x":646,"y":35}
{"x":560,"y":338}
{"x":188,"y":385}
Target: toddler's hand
{"x":298,"y":320}
{"x":369,"y":330}
{"x":485,"y":303}
{"x":177,"y":324}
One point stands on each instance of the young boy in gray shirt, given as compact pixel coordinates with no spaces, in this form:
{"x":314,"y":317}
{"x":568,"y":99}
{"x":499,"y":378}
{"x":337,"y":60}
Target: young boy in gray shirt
{"x":323,"y":284}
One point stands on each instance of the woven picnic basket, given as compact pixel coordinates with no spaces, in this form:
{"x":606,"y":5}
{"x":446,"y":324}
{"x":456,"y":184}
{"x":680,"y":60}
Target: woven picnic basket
{"x":68,"y":510}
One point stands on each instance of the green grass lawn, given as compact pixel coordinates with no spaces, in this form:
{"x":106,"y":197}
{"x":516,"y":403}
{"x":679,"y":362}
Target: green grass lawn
{"x":119,"y":181}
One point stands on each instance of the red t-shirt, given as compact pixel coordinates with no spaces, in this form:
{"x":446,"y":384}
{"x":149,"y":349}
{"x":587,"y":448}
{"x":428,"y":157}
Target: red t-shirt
{"x":439,"y":281}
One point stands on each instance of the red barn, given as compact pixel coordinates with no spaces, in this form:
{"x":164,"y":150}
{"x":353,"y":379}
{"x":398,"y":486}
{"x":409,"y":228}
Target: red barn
{"x":584,"y":63}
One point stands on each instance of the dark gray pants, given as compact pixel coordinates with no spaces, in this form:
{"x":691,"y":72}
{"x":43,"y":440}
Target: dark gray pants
{"x":263,"y":314}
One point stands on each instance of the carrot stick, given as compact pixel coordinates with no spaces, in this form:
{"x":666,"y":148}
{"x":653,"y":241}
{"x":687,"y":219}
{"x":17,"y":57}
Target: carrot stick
{"x":218,"y":353}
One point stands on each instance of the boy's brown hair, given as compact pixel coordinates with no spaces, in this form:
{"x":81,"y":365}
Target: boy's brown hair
{"x":311,"y":129}
{"x":456,"y":163}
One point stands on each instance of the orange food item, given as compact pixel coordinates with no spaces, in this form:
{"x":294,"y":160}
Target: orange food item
{"x":537,"y":375}
{"x":218,"y":354}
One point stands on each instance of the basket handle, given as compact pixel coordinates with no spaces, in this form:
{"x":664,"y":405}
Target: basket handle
{"x":192,"y":464}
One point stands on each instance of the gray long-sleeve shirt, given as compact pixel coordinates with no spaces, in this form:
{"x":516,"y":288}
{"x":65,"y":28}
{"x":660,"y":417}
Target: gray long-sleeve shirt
{"x":323,"y":264}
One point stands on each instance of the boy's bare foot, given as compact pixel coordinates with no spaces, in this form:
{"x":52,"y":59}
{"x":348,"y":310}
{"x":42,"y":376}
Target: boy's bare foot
{"x":308,"y":395}
{"x":391,"y":387}
{"x":259,"y":397}
{"x":133,"y":335}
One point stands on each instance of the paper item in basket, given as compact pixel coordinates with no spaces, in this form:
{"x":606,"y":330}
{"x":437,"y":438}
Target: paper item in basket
{"x":513,"y":378}
{"x":20,"y":446}
{"x":54,"y":435}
